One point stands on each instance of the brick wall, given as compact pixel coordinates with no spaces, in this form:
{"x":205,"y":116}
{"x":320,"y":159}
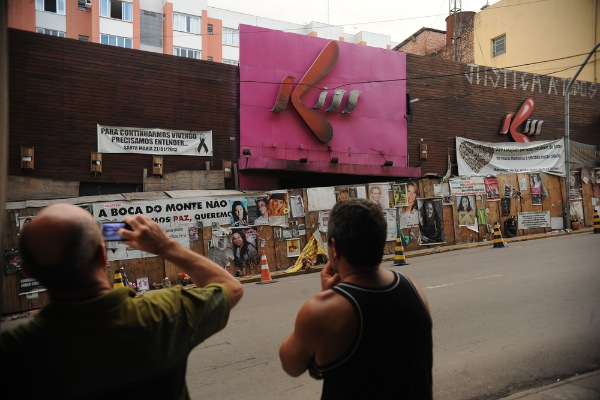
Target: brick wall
{"x":457,"y":99}
{"x":424,"y":43}
{"x":61,"y":88}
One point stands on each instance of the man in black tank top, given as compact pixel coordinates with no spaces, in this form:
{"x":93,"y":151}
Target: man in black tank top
{"x":367,"y":334}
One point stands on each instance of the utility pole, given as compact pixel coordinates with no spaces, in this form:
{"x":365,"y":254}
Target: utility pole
{"x":567,"y":143}
{"x":455,"y":9}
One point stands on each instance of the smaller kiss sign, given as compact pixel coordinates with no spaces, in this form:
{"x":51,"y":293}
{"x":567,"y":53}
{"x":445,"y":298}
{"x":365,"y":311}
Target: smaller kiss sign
{"x":532,"y":127}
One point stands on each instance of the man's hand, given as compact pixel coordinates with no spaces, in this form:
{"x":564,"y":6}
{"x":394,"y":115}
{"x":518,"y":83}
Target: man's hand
{"x":329,"y":277}
{"x":146,"y":235}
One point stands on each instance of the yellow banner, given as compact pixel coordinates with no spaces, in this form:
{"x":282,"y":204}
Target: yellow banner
{"x":312,"y":249}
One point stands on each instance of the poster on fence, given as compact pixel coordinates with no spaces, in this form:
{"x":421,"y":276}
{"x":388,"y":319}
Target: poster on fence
{"x":477,"y":158}
{"x":491,"y":189}
{"x":459,"y":187}
{"x":534,"y":219}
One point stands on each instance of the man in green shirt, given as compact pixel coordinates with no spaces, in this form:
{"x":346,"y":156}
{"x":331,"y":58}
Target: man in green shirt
{"x":93,"y":341}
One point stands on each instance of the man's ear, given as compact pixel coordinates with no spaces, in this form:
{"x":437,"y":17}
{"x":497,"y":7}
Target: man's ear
{"x":101,"y":255}
{"x":332,"y":248}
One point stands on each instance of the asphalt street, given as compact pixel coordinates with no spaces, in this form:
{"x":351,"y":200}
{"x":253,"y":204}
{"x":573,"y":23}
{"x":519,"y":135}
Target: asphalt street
{"x":505,"y":320}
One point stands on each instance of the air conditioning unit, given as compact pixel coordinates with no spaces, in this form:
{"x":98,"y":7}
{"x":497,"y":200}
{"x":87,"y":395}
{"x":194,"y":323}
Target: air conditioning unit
{"x":88,"y":3}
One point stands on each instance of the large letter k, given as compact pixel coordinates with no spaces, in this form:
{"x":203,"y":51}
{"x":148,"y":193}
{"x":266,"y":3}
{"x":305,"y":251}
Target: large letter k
{"x":320,"y":67}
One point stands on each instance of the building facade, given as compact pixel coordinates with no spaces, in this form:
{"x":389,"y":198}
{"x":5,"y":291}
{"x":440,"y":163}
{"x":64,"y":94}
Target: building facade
{"x":69,"y":100}
{"x":187,"y":28}
{"x":549,"y":38}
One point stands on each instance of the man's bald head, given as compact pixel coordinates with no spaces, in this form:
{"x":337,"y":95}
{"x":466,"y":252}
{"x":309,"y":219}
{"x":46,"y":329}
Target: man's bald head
{"x":60,"y":246}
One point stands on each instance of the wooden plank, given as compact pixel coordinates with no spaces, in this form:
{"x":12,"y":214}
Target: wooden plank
{"x":586,"y":195}
{"x":192,"y":180}
{"x":20,"y":187}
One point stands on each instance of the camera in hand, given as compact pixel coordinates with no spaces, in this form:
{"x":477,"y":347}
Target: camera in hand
{"x":110,"y":230}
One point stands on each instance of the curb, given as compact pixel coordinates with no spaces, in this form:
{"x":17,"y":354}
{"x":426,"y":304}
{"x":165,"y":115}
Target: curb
{"x":556,"y":388}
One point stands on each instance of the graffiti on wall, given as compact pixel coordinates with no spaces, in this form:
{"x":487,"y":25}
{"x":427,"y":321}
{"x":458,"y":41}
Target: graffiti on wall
{"x":516,"y":80}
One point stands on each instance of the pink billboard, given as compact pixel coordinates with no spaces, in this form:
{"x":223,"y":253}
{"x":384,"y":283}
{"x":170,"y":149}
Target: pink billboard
{"x":321,"y":105}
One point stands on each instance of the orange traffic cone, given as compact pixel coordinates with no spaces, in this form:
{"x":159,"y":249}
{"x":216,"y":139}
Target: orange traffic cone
{"x":118,"y":280}
{"x":265,"y":274}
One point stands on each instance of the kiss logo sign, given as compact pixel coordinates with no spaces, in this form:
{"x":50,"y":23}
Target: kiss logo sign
{"x":532,"y":127}
{"x":324,"y":63}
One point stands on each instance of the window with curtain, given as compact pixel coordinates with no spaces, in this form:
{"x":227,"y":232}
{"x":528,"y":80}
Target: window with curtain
{"x":231,"y":37}
{"x":105,"y":8}
{"x":186,"y":23}
{"x":189,"y":53}
{"x":127,"y":11}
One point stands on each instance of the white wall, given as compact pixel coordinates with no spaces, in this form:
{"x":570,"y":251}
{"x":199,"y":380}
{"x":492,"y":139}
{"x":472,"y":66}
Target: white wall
{"x":50,"y":20}
{"x":116,"y":27}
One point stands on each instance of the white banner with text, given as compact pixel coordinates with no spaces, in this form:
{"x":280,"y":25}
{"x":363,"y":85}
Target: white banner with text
{"x":534,"y":219}
{"x":459,"y":187}
{"x":486,"y":158}
{"x":116,"y":139}
{"x":174,"y":215}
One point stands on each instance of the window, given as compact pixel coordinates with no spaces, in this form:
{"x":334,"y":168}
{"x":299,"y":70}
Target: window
{"x":116,"y":9}
{"x":116,"y":41}
{"x":499,"y":46}
{"x":50,"y":32}
{"x":231,"y":37}
{"x":84,"y":38}
{"x":186,"y":23}
{"x":209,"y":58}
{"x":55,"y":6}
{"x":209,"y":28}
{"x":84,"y":5}
{"x":230,"y":62}
{"x":189,"y":53}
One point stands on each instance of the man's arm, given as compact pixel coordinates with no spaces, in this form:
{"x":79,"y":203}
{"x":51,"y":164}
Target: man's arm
{"x":317,"y":337}
{"x":147,"y":235}
{"x":298,"y":350}
{"x":420,"y":292}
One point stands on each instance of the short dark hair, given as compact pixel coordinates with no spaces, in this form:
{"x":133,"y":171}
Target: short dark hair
{"x":359,"y":229}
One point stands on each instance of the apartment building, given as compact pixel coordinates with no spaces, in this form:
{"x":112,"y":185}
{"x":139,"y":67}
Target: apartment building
{"x":187,"y":28}
{"x":550,"y":37}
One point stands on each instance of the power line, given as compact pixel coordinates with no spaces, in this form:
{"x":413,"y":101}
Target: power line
{"x":430,"y":76}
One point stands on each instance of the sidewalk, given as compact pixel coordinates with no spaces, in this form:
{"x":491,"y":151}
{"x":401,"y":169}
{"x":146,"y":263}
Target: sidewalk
{"x":579,"y":387}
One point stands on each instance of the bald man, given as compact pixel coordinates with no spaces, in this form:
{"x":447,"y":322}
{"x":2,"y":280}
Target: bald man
{"x":93,"y":341}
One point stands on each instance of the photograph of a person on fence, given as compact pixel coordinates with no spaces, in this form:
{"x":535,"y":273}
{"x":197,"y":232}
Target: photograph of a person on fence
{"x":431,"y":223}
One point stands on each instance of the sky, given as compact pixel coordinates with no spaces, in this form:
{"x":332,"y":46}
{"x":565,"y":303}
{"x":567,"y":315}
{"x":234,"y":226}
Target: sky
{"x":397,"y":18}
